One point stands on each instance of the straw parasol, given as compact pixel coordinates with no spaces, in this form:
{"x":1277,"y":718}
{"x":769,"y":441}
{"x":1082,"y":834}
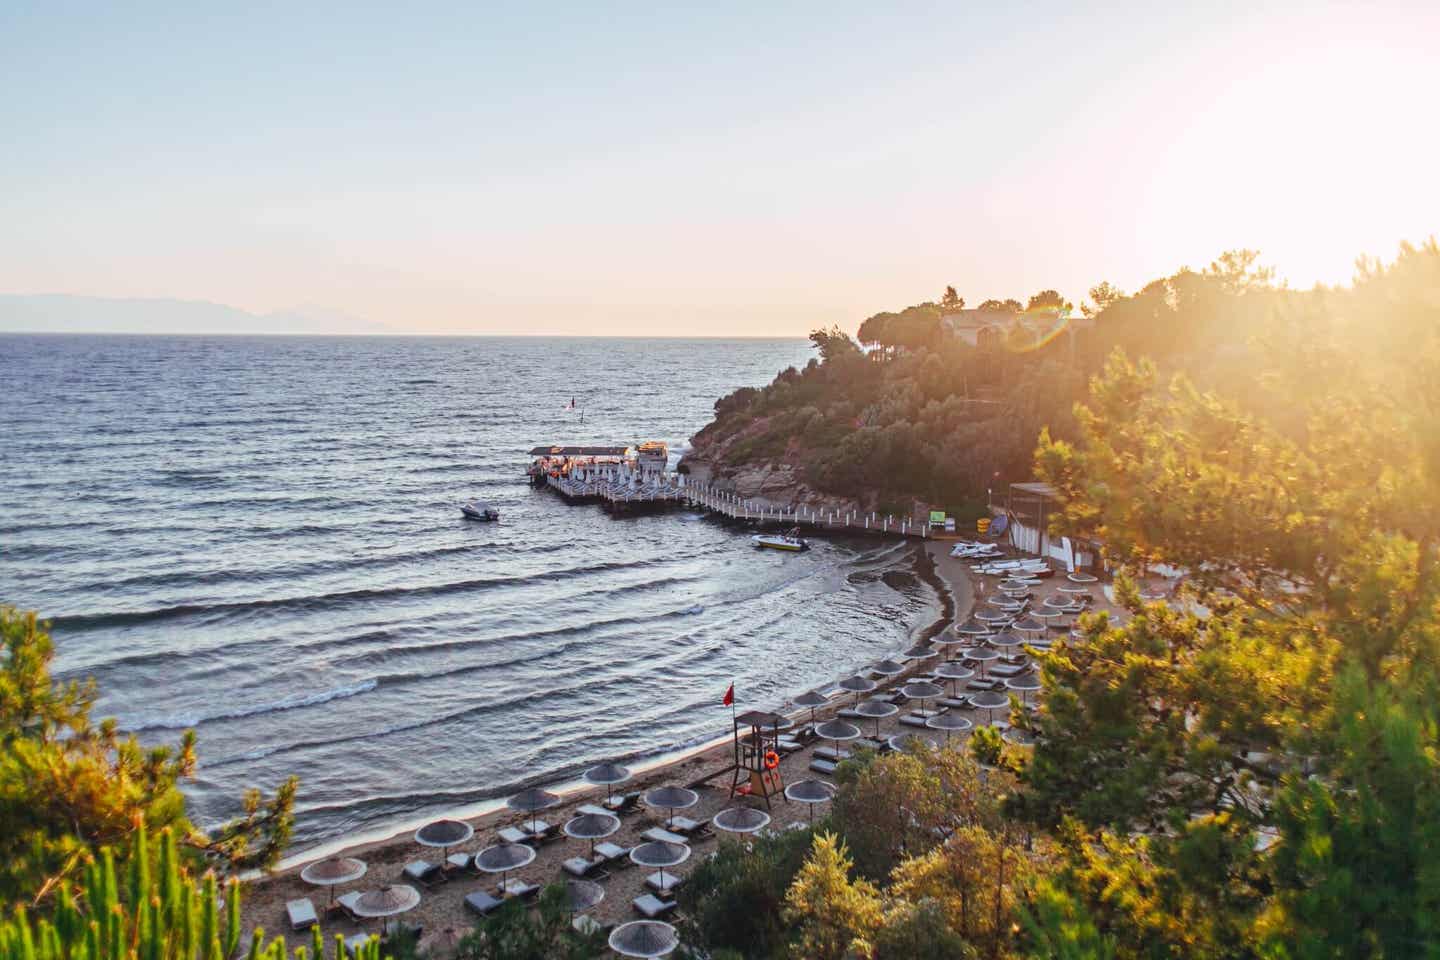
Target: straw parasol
{"x":1076,"y":589}
{"x":913,"y":740}
{"x":333,"y":872}
{"x":836,"y":731}
{"x":812,"y":700}
{"x":972,"y":629}
{"x":887,"y":668}
{"x":1028,"y":625}
{"x":660,"y":854}
{"x":607,"y":775}
{"x":1019,"y":737}
{"x":672,"y":799}
{"x":582,"y":895}
{"x":1006,"y":639}
{"x":1081,"y":578}
{"x":504,"y":857}
{"x":810,"y":792}
{"x":644,"y":938}
{"x":954,"y":671}
{"x":532,"y":801}
{"x":592,"y":827}
{"x":989,"y":701}
{"x":876,"y":710}
{"x":983,"y":655}
{"x":857,"y":685}
{"x":386,"y":901}
{"x":444,"y":834}
{"x":950,"y":723}
{"x":1025,"y":685}
{"x":920,"y":652}
{"x":922,"y":690}
{"x":994,"y":616}
{"x":740,"y":820}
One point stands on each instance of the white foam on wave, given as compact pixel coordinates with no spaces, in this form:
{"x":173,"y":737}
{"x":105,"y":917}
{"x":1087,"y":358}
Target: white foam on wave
{"x":179,"y":721}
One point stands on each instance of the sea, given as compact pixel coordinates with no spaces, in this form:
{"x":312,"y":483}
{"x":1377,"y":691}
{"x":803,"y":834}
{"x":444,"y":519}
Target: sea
{"x":258,"y":538}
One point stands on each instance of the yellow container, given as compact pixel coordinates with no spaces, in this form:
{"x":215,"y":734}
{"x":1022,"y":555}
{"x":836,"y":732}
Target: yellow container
{"x":983,"y":524}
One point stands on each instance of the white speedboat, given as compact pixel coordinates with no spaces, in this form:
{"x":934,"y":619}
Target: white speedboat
{"x":479,"y":511}
{"x":780,"y":541}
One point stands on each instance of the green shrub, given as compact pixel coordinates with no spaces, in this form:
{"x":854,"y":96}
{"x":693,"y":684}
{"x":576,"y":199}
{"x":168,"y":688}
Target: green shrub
{"x":735,"y":899}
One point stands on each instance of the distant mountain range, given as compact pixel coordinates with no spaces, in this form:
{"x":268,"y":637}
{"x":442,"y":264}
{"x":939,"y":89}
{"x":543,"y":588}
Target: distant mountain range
{"x":63,"y":313}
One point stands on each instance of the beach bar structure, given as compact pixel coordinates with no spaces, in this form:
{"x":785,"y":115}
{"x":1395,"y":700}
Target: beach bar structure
{"x":1030,"y":507}
{"x":756,"y":772}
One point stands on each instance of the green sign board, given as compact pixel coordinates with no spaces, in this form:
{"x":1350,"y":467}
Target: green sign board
{"x":937,"y":516}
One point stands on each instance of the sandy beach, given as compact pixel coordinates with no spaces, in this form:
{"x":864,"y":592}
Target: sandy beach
{"x":442,"y":913}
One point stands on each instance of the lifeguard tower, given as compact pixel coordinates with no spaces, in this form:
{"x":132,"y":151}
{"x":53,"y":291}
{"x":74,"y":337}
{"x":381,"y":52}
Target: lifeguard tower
{"x":757,"y":755}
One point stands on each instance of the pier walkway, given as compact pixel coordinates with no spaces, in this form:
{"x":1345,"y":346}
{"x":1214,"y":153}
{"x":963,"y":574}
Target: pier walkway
{"x":670,"y":490}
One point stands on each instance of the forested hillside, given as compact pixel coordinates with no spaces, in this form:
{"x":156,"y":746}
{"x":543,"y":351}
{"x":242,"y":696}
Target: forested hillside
{"x":913,"y":413}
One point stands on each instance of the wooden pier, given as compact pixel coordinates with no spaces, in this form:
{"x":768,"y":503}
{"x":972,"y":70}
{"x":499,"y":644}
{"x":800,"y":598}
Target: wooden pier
{"x":623,"y":481}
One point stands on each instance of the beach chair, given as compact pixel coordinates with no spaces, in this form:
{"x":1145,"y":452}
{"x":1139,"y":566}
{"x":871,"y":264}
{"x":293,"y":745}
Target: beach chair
{"x":661,"y":834}
{"x":955,"y":703}
{"x":512,"y":835}
{"x":912,"y":720}
{"x":613,"y":855}
{"x":539,"y":831}
{"x":458,"y":863}
{"x":788,"y":746}
{"x":345,"y":903}
{"x":871,"y":743}
{"x":662,"y":883}
{"x":652,"y":907}
{"x":584,"y":869}
{"x":831,"y":754}
{"x":301,"y":913}
{"x":622,"y":803}
{"x":423,"y":872}
{"x":514,"y":888}
{"x":684,"y":825}
{"x":822,"y":766}
{"x":482,"y":903}
{"x":592,"y":808}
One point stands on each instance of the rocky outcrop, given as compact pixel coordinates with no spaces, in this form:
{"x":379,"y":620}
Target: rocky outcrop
{"x":776,"y":484}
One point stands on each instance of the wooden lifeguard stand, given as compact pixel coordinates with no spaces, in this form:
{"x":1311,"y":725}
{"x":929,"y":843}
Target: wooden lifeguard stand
{"x":757,"y":734}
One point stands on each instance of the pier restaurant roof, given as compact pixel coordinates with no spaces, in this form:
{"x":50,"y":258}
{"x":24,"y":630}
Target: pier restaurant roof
{"x":578,"y":451}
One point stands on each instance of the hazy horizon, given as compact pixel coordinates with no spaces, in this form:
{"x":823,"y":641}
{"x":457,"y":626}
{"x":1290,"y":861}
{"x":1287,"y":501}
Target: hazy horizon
{"x":753,"y":172}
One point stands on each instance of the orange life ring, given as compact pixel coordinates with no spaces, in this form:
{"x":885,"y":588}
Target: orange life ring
{"x":772,"y":759}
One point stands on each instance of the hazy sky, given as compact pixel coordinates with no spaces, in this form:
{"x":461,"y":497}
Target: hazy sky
{"x":728,"y":170}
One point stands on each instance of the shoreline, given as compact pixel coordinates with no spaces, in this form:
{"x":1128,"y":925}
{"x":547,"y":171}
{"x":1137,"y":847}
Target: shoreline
{"x":389,"y":848}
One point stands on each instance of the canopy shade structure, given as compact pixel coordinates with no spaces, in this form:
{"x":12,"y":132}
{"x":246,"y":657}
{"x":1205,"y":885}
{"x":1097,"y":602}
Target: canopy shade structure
{"x":607,"y":775}
{"x":810,"y":792}
{"x":1025,"y":685}
{"x":740,"y":820}
{"x":920,"y":652}
{"x":1028,"y":625}
{"x":592,"y":827}
{"x":811,"y":699}
{"x":1075,"y":589}
{"x":659,"y":854}
{"x":671,"y":799}
{"x":332,"y":872}
{"x":532,"y":801}
{"x":876,"y":710}
{"x":504,"y":857}
{"x":837,"y":730}
{"x":888,"y":668}
{"x":644,"y":938}
{"x":913,"y":741}
{"x":857,"y":685}
{"x":1081,"y":578}
{"x":950,"y":723}
{"x":993,"y":616}
{"x":386,"y":901}
{"x":972,"y":629}
{"x":583,"y":894}
{"x":444,"y":833}
{"x":990,"y":701}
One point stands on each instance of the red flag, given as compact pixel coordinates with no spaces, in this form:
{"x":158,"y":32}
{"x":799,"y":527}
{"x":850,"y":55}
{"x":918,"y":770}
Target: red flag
{"x":729,"y":696}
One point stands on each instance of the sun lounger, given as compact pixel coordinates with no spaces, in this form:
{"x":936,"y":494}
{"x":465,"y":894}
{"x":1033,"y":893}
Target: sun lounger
{"x":592,"y":808}
{"x":622,"y":803}
{"x":789,"y":746}
{"x":585,"y":869}
{"x":541,"y":832}
{"x":422,"y":872}
{"x":831,"y":754}
{"x":613,"y":853}
{"x":870,"y":743}
{"x":512,"y":835}
{"x":346,"y":904}
{"x":458,"y":862}
{"x":680,"y":824}
{"x":911,"y":720}
{"x":482,"y":903}
{"x":822,"y":766}
{"x":588,"y":926}
{"x":301,"y":913}
{"x":955,"y":703}
{"x":661,"y":834}
{"x":662,"y":883}
{"x":652,"y":907}
{"x":515,"y":887}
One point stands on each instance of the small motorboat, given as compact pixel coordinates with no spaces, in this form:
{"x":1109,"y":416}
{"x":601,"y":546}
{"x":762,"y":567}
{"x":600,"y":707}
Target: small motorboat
{"x":479,"y":511}
{"x":791,"y":541}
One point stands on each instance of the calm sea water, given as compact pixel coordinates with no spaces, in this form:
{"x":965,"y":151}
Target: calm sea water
{"x":259,"y":538}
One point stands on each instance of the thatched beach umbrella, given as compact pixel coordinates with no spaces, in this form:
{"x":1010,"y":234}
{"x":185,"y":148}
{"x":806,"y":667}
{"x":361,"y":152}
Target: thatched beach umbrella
{"x":644,"y":938}
{"x":1057,"y":602}
{"x":887,"y":668}
{"x":876,"y":710}
{"x":994,"y":616}
{"x":920,"y":652}
{"x":1025,"y":685}
{"x":810,"y":792}
{"x":504,"y":857}
{"x":582,"y":895}
{"x":607,"y":775}
{"x":1074,"y":589}
{"x":444,"y":834}
{"x":386,"y":901}
{"x":837,"y":730}
{"x":982,"y":656}
{"x":672,"y":799}
{"x":989,"y":701}
{"x":1006,"y":640}
{"x":333,"y":872}
{"x":532,"y":801}
{"x":954,"y":671}
{"x":857,"y":685}
{"x":592,"y":827}
{"x":972,"y":629}
{"x":1020,"y":737}
{"x":1028,"y":625}
{"x":913,"y":741}
{"x":811,"y":699}
{"x":660,"y":854}
{"x":922,"y":690}
{"x":1081,"y":578}
{"x":740,"y":820}
{"x":950,"y":723}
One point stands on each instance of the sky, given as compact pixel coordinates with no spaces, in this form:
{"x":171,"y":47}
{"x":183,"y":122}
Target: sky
{"x":718,"y":169}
